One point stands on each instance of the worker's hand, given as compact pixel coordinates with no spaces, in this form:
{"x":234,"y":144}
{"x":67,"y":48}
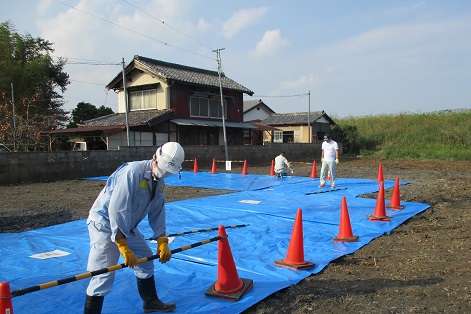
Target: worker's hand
{"x":129,"y":258}
{"x":322,"y":160}
{"x":162,"y":249}
{"x":337,"y":161}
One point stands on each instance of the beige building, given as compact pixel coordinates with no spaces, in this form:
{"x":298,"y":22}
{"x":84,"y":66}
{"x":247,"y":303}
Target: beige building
{"x":299,"y":127}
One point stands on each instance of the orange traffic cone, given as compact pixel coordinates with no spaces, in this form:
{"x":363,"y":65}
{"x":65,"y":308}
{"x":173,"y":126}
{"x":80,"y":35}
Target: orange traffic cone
{"x":195,"y":166}
{"x":272,"y":168}
{"x":380,"y":210}
{"x":5,"y":298}
{"x":328,"y":176}
{"x":228,"y":284}
{"x":244,"y":170}
{"x":380,"y":177}
{"x":213,"y":169}
{"x":345,"y":229}
{"x":295,"y":255}
{"x":313,"y":171}
{"x":395,"y":202}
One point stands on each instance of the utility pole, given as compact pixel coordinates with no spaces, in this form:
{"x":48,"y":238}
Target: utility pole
{"x":126,"y":103}
{"x":218,"y":52}
{"x":309,"y":118}
{"x":14,"y":117}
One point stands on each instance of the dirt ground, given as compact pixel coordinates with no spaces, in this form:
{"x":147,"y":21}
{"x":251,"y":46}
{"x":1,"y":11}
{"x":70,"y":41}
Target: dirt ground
{"x":423,"y":266}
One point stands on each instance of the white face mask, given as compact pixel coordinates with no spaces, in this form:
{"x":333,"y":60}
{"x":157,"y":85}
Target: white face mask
{"x":159,"y":173}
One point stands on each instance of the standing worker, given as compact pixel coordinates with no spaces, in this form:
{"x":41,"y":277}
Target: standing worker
{"x":329,"y":159}
{"x":280,"y":163}
{"x":134,"y":190}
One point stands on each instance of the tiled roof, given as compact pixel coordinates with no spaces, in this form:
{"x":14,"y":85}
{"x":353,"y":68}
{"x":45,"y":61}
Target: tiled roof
{"x":186,"y":74}
{"x":135,"y":118}
{"x":294,"y":118}
{"x":249,"y":104}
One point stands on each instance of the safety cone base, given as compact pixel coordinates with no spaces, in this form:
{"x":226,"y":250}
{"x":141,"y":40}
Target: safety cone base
{"x":377,"y":218}
{"x":349,"y":239}
{"x":5,"y":298}
{"x":236,"y":296}
{"x":395,"y":207}
{"x":303,"y":266}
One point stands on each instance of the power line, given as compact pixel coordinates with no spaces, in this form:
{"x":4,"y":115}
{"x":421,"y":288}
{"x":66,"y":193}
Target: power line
{"x":130,"y":30}
{"x":280,"y":96}
{"x":84,"y":61}
{"x":90,"y":100}
{"x":90,"y":63}
{"x":168,"y":25}
{"x":87,"y":82}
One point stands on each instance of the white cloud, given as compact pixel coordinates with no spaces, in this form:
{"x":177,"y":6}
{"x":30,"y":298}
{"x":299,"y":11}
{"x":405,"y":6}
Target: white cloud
{"x":409,"y":7}
{"x":271,"y":43}
{"x":303,"y":82}
{"x":203,"y":25}
{"x":394,"y":49}
{"x":74,"y":33}
{"x":92,"y":29}
{"x":43,"y":6}
{"x":242,"y":19}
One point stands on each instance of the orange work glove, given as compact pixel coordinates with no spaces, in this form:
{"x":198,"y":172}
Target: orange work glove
{"x":129,"y":258}
{"x":162,"y":249}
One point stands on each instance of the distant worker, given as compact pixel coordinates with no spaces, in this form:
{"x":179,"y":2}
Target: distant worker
{"x":280,"y":163}
{"x":329,"y":159}
{"x":133,"y":191}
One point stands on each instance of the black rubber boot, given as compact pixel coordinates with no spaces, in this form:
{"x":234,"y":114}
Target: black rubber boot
{"x":93,"y":305}
{"x":146,"y":288}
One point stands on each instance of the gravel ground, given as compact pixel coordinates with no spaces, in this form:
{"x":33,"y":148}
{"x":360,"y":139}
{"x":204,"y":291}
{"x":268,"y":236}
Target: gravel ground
{"x":421,"y":267}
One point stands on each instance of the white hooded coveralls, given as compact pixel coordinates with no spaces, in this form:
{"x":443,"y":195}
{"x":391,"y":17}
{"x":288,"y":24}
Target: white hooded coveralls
{"x":122,"y":204}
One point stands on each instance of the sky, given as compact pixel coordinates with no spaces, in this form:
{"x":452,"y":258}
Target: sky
{"x":348,"y":58}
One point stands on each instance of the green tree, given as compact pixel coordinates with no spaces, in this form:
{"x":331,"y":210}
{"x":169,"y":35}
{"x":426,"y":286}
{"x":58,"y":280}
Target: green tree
{"x":348,"y":135}
{"x":86,"y":111}
{"x":34,"y":104}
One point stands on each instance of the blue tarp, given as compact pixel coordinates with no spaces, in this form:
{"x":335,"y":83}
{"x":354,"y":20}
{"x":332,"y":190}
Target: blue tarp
{"x":266,"y":203}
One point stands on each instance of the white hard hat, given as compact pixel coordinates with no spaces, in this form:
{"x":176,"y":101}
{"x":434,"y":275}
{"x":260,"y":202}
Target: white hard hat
{"x":170,"y":157}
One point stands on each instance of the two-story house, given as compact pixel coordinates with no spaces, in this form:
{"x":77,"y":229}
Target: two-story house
{"x":255,"y":111}
{"x":161,"y":101}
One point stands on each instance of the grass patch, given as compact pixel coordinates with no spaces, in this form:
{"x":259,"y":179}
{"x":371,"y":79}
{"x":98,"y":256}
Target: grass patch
{"x":440,"y":135}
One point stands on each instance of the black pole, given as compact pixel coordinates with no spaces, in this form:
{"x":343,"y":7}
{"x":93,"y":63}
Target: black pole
{"x":201,"y":230}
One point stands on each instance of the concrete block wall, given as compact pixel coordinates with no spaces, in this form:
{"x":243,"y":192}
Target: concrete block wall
{"x":17,"y":168}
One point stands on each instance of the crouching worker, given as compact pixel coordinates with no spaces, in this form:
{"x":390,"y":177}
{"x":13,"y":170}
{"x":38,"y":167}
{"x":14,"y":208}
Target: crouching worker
{"x":282,"y":165}
{"x":133,"y":191}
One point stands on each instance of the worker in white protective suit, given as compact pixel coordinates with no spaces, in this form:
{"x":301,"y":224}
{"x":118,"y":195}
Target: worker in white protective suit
{"x":282,"y":165}
{"x":330,"y":160}
{"x":133,"y":191}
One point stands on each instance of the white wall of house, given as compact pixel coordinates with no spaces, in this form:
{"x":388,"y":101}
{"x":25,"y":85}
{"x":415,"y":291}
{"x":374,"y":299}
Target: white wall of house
{"x":139,"y":79}
{"x":121,"y":104}
{"x":255,"y":114}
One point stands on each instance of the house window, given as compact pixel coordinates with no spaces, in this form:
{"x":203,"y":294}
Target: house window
{"x":144,"y":99}
{"x":283,"y":136}
{"x":278,"y":136}
{"x":288,"y":136}
{"x":206,"y":108}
